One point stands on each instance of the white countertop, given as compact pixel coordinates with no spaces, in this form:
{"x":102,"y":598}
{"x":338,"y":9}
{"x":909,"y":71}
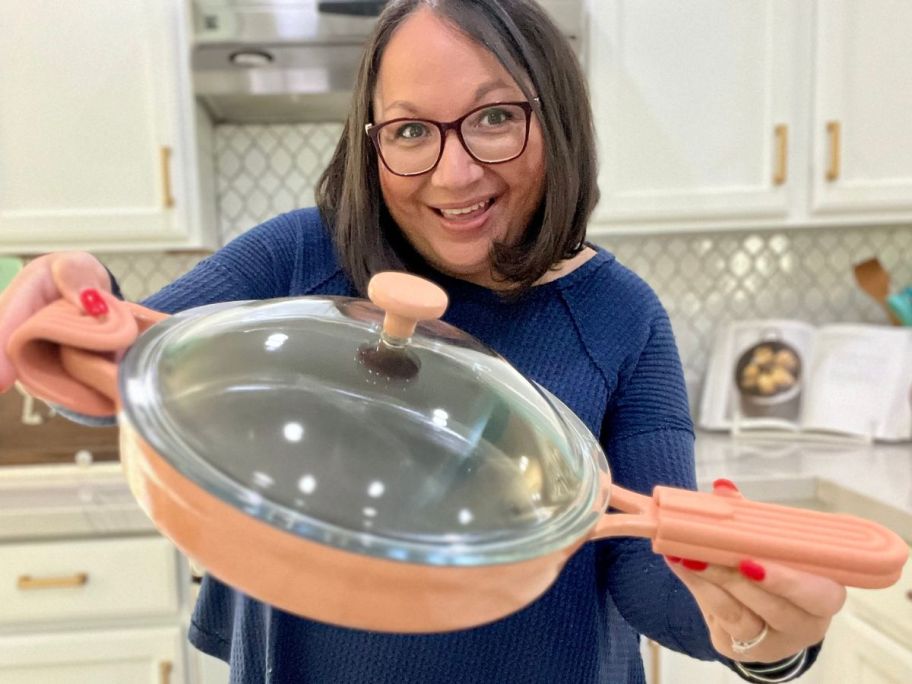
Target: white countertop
{"x":880,"y":471}
{"x":58,"y":501}
{"x":870,"y":480}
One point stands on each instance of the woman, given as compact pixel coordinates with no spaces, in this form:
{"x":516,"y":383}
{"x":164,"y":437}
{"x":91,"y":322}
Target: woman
{"x":468,"y":157}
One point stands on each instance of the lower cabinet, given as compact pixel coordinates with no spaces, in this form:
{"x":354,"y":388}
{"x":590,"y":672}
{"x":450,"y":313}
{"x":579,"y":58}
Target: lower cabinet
{"x":105,"y":610}
{"x":127,"y":656}
{"x":209,"y":670}
{"x":859,"y":653}
{"x":664,"y":666}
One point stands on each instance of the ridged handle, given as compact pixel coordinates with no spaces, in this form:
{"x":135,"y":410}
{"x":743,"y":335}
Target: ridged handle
{"x":406,"y":299}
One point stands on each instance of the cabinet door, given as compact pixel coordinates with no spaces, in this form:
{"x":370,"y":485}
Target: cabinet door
{"x":137,"y":656}
{"x":93,"y":137}
{"x":856,"y":652}
{"x":664,"y":666}
{"x":210,"y":670}
{"x":862,"y":129}
{"x":694,"y":108}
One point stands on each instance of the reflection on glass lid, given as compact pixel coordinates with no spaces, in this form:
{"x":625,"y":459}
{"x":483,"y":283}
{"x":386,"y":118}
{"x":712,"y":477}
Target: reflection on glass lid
{"x":294,"y":411}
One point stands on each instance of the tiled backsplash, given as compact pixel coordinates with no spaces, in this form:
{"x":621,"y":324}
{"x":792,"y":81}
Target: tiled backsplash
{"x":704,"y":280}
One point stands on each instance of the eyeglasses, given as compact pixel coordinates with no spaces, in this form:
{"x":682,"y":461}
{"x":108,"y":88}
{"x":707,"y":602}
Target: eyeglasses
{"x":491,"y":134}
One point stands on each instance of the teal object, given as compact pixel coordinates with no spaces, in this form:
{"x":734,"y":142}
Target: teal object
{"x":901,"y":305}
{"x":9,"y":267}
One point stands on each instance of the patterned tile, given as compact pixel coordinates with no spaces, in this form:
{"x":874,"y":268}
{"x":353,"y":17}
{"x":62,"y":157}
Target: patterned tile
{"x":704,"y":280}
{"x":708,"y":280}
{"x":267,"y":170}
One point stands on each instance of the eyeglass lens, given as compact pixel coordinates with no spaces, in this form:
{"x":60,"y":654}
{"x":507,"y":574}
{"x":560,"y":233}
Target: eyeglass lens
{"x":492,"y":134}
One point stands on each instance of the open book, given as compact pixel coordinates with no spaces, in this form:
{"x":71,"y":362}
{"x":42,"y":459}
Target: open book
{"x":849,"y":380}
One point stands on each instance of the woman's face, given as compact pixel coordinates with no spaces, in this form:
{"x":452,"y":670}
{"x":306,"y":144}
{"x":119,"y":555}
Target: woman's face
{"x":430,"y":71}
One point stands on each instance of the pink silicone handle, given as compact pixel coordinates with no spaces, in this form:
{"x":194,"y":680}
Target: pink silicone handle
{"x":406,"y":299}
{"x":67,"y":357}
{"x":726,"y":530}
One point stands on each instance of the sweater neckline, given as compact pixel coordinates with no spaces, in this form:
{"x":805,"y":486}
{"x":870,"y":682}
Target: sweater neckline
{"x":464,"y":288}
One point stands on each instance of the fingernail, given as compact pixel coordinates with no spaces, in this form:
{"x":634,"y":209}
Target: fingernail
{"x":92,"y":302}
{"x":723,"y":483}
{"x":694,"y":564}
{"x":673,"y":559}
{"x":751,"y":570}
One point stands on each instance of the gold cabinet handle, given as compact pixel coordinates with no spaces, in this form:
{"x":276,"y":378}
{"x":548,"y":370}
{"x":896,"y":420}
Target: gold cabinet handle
{"x":165,"y":668}
{"x":27,"y":582}
{"x":167,"y":197}
{"x":833,"y":132}
{"x":780,"y":173}
{"x":655,"y":669}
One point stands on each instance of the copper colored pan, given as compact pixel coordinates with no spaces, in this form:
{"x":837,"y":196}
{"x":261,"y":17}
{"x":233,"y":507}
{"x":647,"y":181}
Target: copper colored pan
{"x":415,"y":581}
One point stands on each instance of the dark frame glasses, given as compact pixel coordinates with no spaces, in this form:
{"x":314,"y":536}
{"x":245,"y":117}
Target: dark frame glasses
{"x":373,"y":132}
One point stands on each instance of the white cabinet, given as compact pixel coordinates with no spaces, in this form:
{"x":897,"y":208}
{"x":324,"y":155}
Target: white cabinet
{"x":863,"y":98}
{"x":137,"y":656}
{"x":664,"y":666}
{"x":760,"y":113}
{"x":87,"y":580}
{"x":870,"y":641}
{"x":99,"y":131}
{"x":857,"y":652}
{"x":92,"y":610}
{"x":691,"y":101}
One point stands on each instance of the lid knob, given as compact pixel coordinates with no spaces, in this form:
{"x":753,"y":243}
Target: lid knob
{"x":406,"y":299}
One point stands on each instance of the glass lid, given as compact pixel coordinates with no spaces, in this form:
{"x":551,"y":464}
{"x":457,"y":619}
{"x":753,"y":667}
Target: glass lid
{"x":419,"y":445}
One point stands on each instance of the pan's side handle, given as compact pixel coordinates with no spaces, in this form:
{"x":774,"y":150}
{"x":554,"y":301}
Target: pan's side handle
{"x":637,"y":520}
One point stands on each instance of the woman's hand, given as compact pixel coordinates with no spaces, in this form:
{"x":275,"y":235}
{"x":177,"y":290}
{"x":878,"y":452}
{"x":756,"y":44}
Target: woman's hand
{"x":38,"y":284}
{"x":794,"y":608}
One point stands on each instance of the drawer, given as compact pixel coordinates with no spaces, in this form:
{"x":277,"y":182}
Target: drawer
{"x":87,"y":580}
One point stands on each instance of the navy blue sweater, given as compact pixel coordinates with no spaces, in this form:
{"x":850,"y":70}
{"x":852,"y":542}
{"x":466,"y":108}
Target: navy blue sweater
{"x":599,"y":339}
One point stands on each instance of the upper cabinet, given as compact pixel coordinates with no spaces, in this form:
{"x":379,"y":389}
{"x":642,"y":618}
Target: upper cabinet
{"x":862,"y":124}
{"x":760,"y":113}
{"x":99,"y":133}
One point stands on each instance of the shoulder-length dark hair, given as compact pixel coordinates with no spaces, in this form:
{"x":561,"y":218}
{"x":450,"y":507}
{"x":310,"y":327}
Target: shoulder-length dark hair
{"x":539,"y":58}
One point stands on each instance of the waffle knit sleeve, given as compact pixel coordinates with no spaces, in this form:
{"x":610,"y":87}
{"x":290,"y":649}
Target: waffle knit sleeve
{"x":259,"y":264}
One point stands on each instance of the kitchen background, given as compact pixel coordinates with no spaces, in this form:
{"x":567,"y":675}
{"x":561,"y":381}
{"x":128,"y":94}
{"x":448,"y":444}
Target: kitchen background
{"x":711,"y":118}
{"x":704,"y":280}
{"x":751,"y":153}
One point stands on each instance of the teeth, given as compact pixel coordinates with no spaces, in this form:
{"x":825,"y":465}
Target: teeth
{"x":466,"y":210}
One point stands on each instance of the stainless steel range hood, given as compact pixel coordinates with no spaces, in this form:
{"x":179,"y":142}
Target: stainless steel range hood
{"x":286,"y":61}
{"x":274,"y":61}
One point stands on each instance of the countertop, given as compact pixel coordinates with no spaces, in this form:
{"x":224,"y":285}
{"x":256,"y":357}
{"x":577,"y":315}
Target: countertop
{"x":870,"y":480}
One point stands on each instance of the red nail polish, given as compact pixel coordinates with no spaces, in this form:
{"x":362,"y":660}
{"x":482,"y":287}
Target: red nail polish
{"x":92,"y":302}
{"x":694,"y":564}
{"x":723,"y":483}
{"x":751,"y":570}
{"x":673,"y":559}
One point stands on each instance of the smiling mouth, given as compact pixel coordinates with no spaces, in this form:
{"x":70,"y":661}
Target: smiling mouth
{"x":468,"y":212}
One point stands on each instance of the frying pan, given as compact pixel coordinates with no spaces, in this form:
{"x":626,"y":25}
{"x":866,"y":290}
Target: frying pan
{"x":366,"y":465}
